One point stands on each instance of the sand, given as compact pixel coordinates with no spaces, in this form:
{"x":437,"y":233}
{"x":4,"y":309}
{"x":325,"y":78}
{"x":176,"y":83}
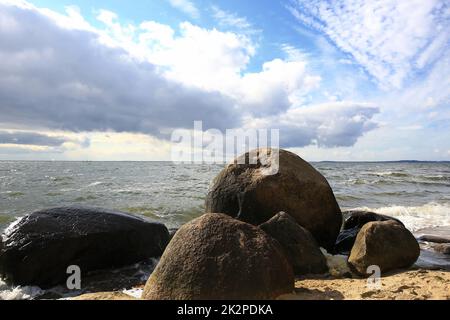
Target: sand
{"x":407,"y":285}
{"x":104,"y":296}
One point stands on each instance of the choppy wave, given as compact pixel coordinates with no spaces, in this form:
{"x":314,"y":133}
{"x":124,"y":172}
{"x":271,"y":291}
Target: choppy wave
{"x":389,"y":173}
{"x":417,"y":217}
{"x":405,"y":177}
{"x":437,"y":178}
{"x":362,"y":182}
{"x":10,"y":229}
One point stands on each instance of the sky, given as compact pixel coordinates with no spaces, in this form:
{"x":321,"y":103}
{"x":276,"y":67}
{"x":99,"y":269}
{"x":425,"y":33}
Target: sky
{"x":344,"y":80}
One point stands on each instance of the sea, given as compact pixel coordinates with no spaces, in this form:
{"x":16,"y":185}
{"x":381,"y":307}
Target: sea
{"x":417,"y":193}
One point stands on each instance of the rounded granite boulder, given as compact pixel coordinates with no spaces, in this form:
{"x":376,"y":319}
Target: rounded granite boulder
{"x":263,"y":182}
{"x":216,"y":257}
{"x":386,"y":244}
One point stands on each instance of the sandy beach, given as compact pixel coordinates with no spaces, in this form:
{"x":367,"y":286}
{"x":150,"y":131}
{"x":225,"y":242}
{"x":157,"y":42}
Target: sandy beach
{"x":417,"y":284}
{"x":409,"y":285}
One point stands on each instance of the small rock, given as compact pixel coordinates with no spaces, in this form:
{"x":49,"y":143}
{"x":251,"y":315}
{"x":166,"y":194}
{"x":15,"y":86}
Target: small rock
{"x":299,"y":245}
{"x":386,"y":244}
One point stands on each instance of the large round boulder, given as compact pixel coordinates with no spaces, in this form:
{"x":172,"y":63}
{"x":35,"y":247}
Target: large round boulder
{"x":263,"y":182}
{"x":354,"y":221}
{"x":299,"y":245}
{"x":220,"y":258}
{"x":38,"y":249}
{"x":386,"y":244}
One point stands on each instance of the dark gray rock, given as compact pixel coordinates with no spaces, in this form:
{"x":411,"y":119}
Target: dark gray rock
{"x":245,"y":190}
{"x":298,"y":244}
{"x":354,"y":221}
{"x":443,"y":248}
{"x":38,"y":249}
{"x":435,"y":234}
{"x":433,"y":238}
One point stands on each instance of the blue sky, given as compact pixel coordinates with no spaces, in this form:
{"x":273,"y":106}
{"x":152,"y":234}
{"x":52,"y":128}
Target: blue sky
{"x":342,"y":80}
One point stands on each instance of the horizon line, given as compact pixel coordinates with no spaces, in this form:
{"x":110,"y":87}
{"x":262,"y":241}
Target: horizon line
{"x":194,"y":163}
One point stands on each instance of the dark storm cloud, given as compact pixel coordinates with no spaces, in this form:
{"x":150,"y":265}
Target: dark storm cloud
{"x":30,"y":138}
{"x":56,"y":78}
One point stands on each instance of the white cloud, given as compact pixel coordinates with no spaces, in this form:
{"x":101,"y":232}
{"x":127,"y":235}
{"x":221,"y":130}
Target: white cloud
{"x":391,"y":39}
{"x":331,"y":124}
{"x":205,"y":58}
{"x":150,"y":78}
{"x":280,"y":85}
{"x":229,"y":19}
{"x":213,"y":60}
{"x":429,"y":92}
{"x":186,"y":6}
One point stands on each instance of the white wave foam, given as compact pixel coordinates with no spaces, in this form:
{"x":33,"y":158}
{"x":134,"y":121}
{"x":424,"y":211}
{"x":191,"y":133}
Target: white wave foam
{"x":10,"y":229}
{"x":380,"y":173}
{"x":337,"y":265}
{"x":18,"y":293}
{"x":415,"y":218}
{"x":135,"y":293}
{"x":96,"y":183}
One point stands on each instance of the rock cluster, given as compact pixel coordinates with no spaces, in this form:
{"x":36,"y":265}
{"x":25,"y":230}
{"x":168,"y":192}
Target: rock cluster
{"x":269,"y":217}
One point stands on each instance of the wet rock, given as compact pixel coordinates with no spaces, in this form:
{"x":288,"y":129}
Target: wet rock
{"x":354,"y":221}
{"x":40,"y":247}
{"x":443,"y":248}
{"x":435,"y":234}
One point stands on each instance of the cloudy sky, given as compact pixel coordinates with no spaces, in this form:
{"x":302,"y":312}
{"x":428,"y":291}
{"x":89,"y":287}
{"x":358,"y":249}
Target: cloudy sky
{"x":111,"y":79}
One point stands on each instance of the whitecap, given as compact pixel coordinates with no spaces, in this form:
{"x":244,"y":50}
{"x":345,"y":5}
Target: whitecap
{"x":11,"y":228}
{"x":96,"y":183}
{"x":417,"y":217}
